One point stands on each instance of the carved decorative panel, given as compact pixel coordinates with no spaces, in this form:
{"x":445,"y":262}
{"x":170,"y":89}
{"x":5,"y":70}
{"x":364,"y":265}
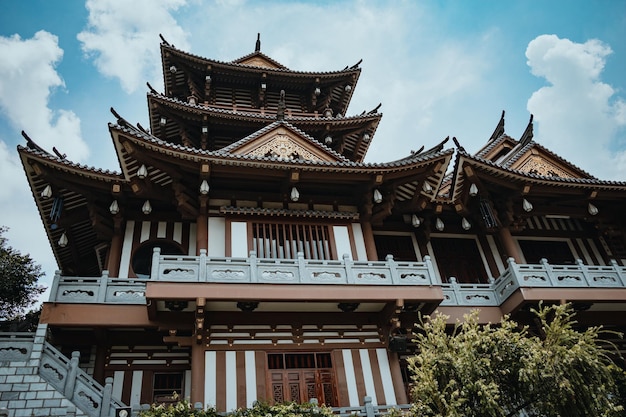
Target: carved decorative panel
{"x":281,"y":146}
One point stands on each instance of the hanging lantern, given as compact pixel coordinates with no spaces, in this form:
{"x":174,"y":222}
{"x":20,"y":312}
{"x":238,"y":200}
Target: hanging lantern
{"x":527,"y":206}
{"x":295,"y":194}
{"x":142,"y":172}
{"x":473,"y":191}
{"x":378,"y":197}
{"x":465,"y":224}
{"x":416,"y":221}
{"x":146,"y":208}
{"x":47,"y":192}
{"x":593,"y":210}
{"x":63,"y":240}
{"x":439,"y":224}
{"x":204,"y":187}
{"x":427,"y":187}
{"x":114,"y":208}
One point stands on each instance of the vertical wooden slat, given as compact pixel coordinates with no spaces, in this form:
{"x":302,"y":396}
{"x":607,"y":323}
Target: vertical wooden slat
{"x":378,"y":381}
{"x":241,"y":379}
{"x":220,"y":372}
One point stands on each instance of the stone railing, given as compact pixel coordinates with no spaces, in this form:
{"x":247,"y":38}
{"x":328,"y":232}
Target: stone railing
{"x":543,"y":274}
{"x":98,"y":290}
{"x":179,"y":268}
{"x":290,"y":271}
{"x":63,"y":375}
{"x":82,"y":390}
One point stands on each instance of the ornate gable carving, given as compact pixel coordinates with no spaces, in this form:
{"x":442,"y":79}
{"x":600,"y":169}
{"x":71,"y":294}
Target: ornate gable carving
{"x":538,"y":165}
{"x":281,"y":146}
{"x":285,"y":144}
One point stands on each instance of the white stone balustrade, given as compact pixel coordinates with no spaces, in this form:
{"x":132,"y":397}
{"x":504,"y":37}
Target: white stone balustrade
{"x":178,"y":268}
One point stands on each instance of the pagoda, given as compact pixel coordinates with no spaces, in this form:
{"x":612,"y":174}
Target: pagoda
{"x":247,"y":252}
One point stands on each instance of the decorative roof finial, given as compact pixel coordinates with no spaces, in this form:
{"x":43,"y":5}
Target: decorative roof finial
{"x":499,"y":130}
{"x":527,"y":136}
{"x":280,"y":112}
{"x":257,"y":48}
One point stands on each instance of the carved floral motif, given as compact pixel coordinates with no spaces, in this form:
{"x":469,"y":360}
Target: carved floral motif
{"x":281,"y":146}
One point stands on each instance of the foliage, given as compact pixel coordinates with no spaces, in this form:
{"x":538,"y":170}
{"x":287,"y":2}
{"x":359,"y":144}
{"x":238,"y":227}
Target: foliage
{"x":181,"y":408}
{"x":485,"y":370}
{"x":260,"y":409}
{"x":18,"y":281}
{"x":286,"y":409}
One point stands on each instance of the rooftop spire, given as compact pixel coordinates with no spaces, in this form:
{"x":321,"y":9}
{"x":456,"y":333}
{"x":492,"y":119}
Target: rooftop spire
{"x":257,"y":47}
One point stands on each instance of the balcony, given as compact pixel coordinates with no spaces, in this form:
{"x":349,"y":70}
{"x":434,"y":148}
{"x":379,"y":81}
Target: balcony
{"x":253,"y":270}
{"x":542,"y":275}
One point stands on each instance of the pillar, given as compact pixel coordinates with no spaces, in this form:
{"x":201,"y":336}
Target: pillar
{"x":368,"y":239}
{"x":197,"y":373}
{"x":115,"y":251}
{"x":509,"y":245}
{"x":202,"y":225}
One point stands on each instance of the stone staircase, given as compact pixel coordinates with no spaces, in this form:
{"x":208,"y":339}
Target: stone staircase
{"x":37,"y":380}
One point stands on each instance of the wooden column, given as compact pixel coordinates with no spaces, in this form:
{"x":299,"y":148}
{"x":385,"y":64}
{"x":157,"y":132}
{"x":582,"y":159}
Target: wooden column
{"x":368,"y":239}
{"x":509,"y":245}
{"x":115,"y":251}
{"x":202,"y":235}
{"x":197,"y":373}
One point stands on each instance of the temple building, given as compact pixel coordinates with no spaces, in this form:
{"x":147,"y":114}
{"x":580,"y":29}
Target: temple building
{"x":245,"y":251}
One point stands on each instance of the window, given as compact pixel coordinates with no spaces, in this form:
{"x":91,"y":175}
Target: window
{"x":400,"y":246}
{"x":165,"y":387}
{"x":284,"y":241}
{"x":459,"y":258}
{"x":300,"y":377}
{"x":555,"y":251}
{"x":142,"y":258}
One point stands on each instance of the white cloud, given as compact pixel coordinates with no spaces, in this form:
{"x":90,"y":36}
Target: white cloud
{"x":419,"y":73}
{"x":19,"y":213}
{"x":123,"y":38}
{"x":27,"y":78}
{"x":577,"y":115}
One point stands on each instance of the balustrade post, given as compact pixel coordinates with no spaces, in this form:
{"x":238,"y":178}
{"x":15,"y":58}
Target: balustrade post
{"x":583,"y":268}
{"x":618,"y":271}
{"x":512,"y":269}
{"x":393,"y":268}
{"x":202,"y":268}
{"x":369,"y":407}
{"x":54,"y":296}
{"x":107,"y":392}
{"x":302,"y":268}
{"x":348,"y":264}
{"x":156,"y":259}
{"x":431,"y":270}
{"x":72,"y":372}
{"x":548,"y":268}
{"x":102,"y":290}
{"x":252,"y":259}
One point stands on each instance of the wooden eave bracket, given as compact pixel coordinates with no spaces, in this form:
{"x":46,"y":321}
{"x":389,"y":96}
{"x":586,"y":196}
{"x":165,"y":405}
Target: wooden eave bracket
{"x":199,"y":320}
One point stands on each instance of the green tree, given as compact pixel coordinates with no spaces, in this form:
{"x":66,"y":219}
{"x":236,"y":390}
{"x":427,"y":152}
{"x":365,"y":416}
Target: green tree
{"x":486,"y":370}
{"x":18,"y":281}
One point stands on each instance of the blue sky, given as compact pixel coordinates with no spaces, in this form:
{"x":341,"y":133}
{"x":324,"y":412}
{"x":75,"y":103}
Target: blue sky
{"x":439,"y":68}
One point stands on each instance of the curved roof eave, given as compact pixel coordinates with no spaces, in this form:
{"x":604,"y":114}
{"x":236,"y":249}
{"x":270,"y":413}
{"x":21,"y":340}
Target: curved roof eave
{"x":224,"y":158}
{"x":249,"y":115}
{"x":282,"y":71}
{"x":526,"y":177}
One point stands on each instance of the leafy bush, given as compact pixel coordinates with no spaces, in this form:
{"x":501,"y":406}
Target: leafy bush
{"x":286,"y":409}
{"x":180,"y":409}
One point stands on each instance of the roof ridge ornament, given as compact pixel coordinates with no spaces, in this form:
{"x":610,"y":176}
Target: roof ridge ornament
{"x":280,"y":112}
{"x":499,"y":130}
{"x":527,"y":136}
{"x":257,"y":47}
{"x":456,"y":143}
{"x":163,"y":40}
